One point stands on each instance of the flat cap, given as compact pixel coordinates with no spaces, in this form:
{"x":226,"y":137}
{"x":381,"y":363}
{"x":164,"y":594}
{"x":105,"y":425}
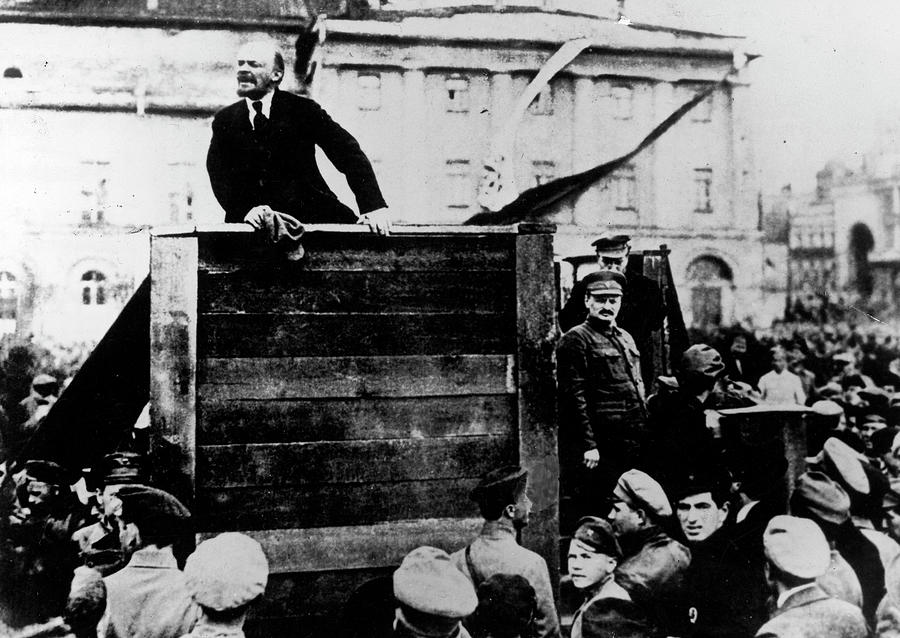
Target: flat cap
{"x":821,"y":498}
{"x":428,"y":582}
{"x":871,"y":417}
{"x":702,"y":359}
{"x":608,"y":243}
{"x":826,"y":407}
{"x":503,"y":483}
{"x":47,"y":472}
{"x":598,"y":534}
{"x":844,"y":357}
{"x":641,"y":491}
{"x":843,"y":464}
{"x":44,"y":380}
{"x":227,"y":571}
{"x":605,"y":282}
{"x":796,"y":546}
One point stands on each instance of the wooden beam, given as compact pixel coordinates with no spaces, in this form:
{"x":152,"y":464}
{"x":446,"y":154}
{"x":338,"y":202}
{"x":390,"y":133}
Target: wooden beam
{"x":263,"y":378}
{"x":536,"y":294}
{"x":359,"y":546}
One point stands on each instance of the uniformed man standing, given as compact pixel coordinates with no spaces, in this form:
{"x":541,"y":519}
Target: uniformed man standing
{"x":643,"y":308}
{"x":601,"y":396}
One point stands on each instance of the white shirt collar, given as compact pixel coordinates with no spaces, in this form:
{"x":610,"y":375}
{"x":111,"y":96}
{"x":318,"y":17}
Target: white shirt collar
{"x":783,"y":596}
{"x":266,"y":105}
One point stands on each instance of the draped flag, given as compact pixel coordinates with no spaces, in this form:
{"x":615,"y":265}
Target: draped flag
{"x":535,"y":202}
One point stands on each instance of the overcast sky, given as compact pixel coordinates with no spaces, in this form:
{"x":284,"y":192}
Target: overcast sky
{"x":828,"y":85}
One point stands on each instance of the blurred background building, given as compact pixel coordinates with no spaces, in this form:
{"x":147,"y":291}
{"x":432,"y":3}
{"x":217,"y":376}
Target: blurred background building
{"x":105,"y":110}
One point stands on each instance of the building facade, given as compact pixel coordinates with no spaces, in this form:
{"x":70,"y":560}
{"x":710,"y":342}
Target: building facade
{"x":109,"y":111}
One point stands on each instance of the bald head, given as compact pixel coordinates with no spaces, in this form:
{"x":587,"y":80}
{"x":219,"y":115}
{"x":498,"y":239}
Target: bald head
{"x":259,"y":69}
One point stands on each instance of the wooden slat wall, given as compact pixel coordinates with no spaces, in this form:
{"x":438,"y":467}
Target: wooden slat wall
{"x":347,"y":404}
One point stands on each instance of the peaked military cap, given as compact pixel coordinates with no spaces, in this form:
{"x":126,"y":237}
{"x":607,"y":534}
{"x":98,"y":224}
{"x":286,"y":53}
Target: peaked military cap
{"x":47,"y":472}
{"x":502,"y":483}
{"x":606,"y":282}
{"x":598,"y":534}
{"x":612,"y":244}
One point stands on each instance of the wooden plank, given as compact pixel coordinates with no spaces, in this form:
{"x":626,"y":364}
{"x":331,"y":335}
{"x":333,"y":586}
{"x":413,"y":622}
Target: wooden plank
{"x":281,"y":421}
{"x":293,"y":289}
{"x":312,"y":594}
{"x":249,"y":508}
{"x":316,"y":335}
{"x":365,"y":252}
{"x":536,"y":294}
{"x":342,"y":377}
{"x":360,"y":546}
{"x":334,"y":462}
{"x":173,"y":355}
{"x":426,"y":230}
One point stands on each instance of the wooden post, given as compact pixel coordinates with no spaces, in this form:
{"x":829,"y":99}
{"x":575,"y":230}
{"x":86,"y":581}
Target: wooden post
{"x":536,"y":298}
{"x":173,"y":356}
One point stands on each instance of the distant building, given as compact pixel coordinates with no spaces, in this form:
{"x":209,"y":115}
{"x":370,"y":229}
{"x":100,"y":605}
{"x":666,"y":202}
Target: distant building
{"x":113,"y":101}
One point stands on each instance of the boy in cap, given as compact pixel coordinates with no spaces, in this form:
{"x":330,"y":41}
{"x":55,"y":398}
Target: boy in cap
{"x":654,"y":565}
{"x":593,"y":556}
{"x":796,"y":554}
{"x":225,"y":574}
{"x":502,"y":497}
{"x":601,"y":393}
{"x":433,"y":596}
{"x":149,"y":597}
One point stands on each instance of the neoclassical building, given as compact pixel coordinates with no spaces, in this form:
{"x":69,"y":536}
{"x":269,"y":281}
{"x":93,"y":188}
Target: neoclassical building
{"x":108,"y":110}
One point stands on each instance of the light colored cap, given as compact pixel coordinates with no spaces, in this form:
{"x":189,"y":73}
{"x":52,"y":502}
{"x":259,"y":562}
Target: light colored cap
{"x":827,"y":408}
{"x":797,"y":546}
{"x":428,"y":582}
{"x":844,"y":464}
{"x":641,"y":491}
{"x":227,"y":571}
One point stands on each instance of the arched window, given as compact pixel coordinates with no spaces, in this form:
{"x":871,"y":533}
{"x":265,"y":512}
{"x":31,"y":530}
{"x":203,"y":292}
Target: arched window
{"x":710,"y":280}
{"x":93,"y":288}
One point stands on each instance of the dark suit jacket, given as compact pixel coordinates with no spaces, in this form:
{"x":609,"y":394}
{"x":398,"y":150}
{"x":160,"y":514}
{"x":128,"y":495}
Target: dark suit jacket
{"x":278,"y":165}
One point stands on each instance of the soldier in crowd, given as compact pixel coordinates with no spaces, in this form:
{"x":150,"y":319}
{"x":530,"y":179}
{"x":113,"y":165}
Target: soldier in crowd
{"x":503,"y":502}
{"x":654,"y":565}
{"x":433,"y":597}
{"x":643,"y":307}
{"x":149,"y":597}
{"x":226,"y":575}
{"x":594,"y":554}
{"x":506,"y":608}
{"x":99,"y":542}
{"x":725,"y":596}
{"x":797,"y":553}
{"x":601,"y":395}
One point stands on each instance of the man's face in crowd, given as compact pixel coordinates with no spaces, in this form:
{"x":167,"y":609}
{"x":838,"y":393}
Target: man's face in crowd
{"x":779,"y":363}
{"x":739,"y":346}
{"x":869,"y":428}
{"x":892,"y":518}
{"x":603,"y":306}
{"x":522,"y":510}
{"x":624,"y":519}
{"x":587,"y":566}
{"x":40,"y":495}
{"x":700,"y":516}
{"x":615,"y":261}
{"x":255,"y":70}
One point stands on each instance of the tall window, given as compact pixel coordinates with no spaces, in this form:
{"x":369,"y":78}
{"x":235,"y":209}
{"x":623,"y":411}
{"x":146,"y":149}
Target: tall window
{"x":368,"y":91}
{"x":703,"y":190}
{"x":625,"y":188}
{"x":93,"y":288}
{"x":459,"y":184}
{"x":9,"y":296}
{"x":623,"y":102}
{"x":457,"y":94}
{"x":542,"y":104}
{"x":543,"y":171}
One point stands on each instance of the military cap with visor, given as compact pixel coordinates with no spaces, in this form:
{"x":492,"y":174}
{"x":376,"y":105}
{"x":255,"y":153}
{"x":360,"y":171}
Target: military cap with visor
{"x":604,"y":282}
{"x":598,"y":535}
{"x":612,"y":244}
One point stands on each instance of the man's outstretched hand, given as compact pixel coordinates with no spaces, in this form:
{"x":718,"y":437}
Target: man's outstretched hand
{"x":379,"y":221}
